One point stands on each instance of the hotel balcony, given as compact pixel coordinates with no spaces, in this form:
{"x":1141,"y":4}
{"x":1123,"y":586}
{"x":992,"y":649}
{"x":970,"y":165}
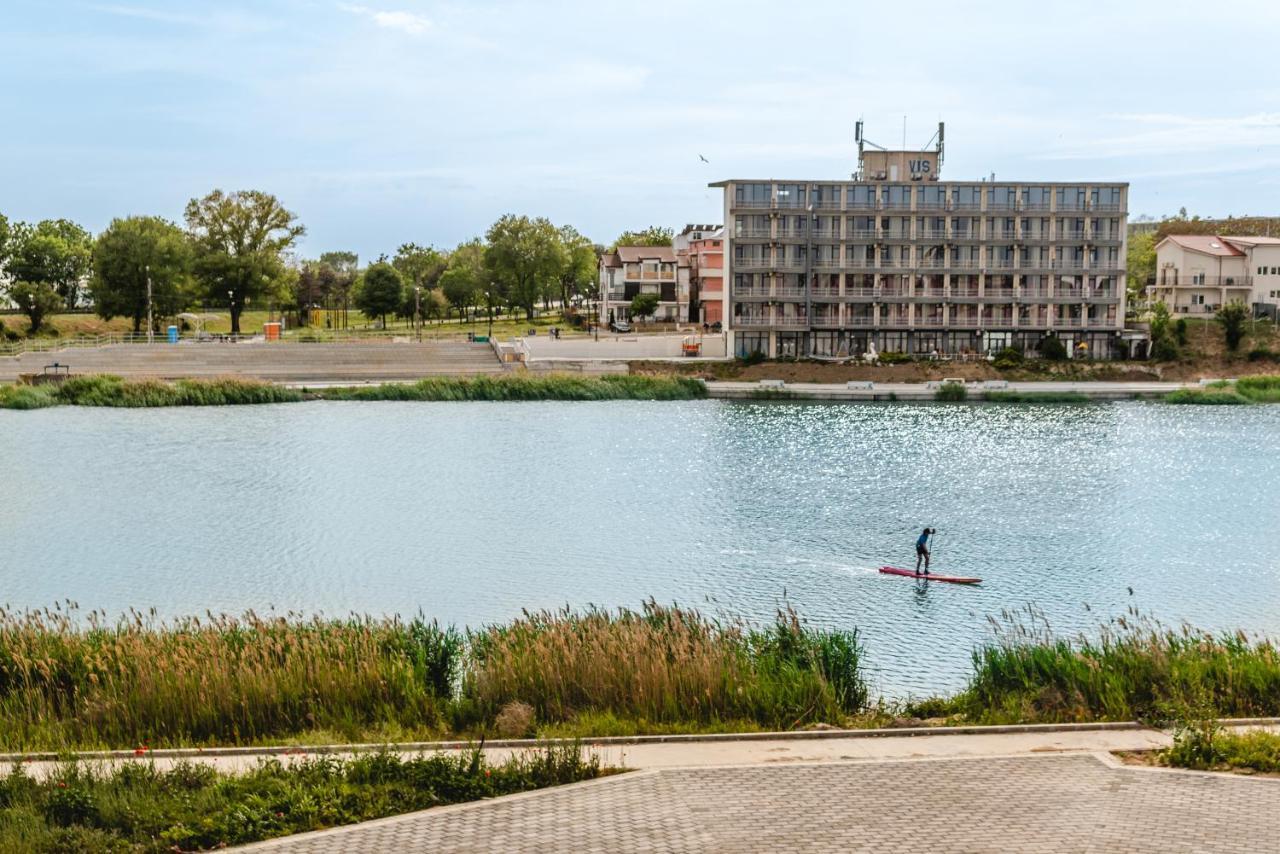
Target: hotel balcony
{"x":1204,"y":282}
{"x":753,"y":234}
{"x":752,"y":204}
{"x":860,"y":320}
{"x":933,"y":233}
{"x":824,"y":292}
{"x":827,"y":205}
{"x":789,"y":264}
{"x":1034,"y":237}
{"x":757,"y":293}
{"x":827,"y":265}
{"x":933,"y":294}
{"x":964,"y":293}
{"x":770,"y":321}
{"x":862,"y":294}
{"x":752,"y":264}
{"x":1072,"y":235}
{"x":826,"y":321}
{"x":1033,"y":293}
{"x":1061,"y":294}
{"x":1070,"y":264}
{"x":859,"y":234}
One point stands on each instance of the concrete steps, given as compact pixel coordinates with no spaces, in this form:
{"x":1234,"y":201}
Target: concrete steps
{"x":279,"y":362}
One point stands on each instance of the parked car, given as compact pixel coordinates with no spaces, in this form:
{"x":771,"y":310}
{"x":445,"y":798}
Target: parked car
{"x":620,"y":326}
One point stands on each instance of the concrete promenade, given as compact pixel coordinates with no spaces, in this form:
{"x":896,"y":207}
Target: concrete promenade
{"x":868,"y":391}
{"x":349,"y":362}
{"x":1046,"y":792}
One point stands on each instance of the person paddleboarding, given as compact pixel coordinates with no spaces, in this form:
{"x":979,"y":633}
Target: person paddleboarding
{"x":922,"y":550}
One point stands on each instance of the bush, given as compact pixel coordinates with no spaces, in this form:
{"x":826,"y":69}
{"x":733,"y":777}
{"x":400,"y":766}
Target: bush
{"x":1009,"y":357}
{"x":1233,"y":317}
{"x":1205,"y":397}
{"x":516,"y":720}
{"x":755,"y":357}
{"x":1180,"y":331}
{"x":1034,"y":397}
{"x":1263,"y":354}
{"x":529,"y":387}
{"x":1052,"y":348}
{"x":1164,"y":350}
{"x":140,"y":808}
{"x":951,"y":393}
{"x":893,"y":358}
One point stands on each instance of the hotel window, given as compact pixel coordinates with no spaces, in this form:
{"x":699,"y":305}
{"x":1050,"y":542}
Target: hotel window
{"x":1106,"y":198}
{"x":1070,"y":198}
{"x":758,"y":193}
{"x":791,"y":195}
{"x":861,"y":196}
{"x":1035,"y":198}
{"x":1000,"y":197}
{"x":897,"y":196}
{"x":826,"y":196}
{"x":968,"y":197}
{"x":932,"y":197}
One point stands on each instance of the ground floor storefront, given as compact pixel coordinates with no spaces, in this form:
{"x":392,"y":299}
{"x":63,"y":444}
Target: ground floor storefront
{"x":852,"y":344}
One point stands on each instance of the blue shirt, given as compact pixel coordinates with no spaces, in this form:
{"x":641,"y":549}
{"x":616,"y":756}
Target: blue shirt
{"x":923,"y":541}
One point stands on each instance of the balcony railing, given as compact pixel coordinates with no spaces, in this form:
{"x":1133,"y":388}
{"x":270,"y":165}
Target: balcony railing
{"x":793,"y":233}
{"x":825,"y":293}
{"x":1002,"y":234}
{"x":1033,"y":292}
{"x":1068,"y":264}
{"x":1074,"y":294}
{"x":1068,"y":322}
{"x":750,"y":293}
{"x":859,"y":320}
{"x":826,"y":234}
{"x":826,"y":204}
{"x":828,"y":321}
{"x":1072,"y":234}
{"x":753,"y":263}
{"x":788,"y":292}
{"x":859,"y":292}
{"x":895,"y":234}
{"x":753,"y":204}
{"x":970,"y":292}
{"x":789,"y":264}
{"x":1204,"y":282}
{"x":933,"y":233}
{"x":753,"y":234}
{"x":859,"y":234}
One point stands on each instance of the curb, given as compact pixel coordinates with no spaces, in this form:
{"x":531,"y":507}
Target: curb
{"x":602,"y":741}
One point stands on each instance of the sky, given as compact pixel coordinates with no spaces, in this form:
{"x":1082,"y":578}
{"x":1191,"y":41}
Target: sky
{"x":386,"y":121}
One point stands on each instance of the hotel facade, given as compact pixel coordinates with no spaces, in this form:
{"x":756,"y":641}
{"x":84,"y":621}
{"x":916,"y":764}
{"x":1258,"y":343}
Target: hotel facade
{"x":896,"y":260}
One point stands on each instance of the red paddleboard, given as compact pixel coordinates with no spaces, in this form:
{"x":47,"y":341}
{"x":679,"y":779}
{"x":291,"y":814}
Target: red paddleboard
{"x":953,"y":579}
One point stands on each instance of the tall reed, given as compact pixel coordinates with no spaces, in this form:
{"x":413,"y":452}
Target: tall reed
{"x":69,"y":682}
{"x":523,"y":387}
{"x":1134,"y":668}
{"x":665,"y":665}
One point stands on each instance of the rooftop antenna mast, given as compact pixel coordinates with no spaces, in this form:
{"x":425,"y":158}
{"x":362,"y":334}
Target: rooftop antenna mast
{"x":862,"y":143}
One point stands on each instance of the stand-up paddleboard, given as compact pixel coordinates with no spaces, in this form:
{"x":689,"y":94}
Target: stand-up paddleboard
{"x":951,"y":579}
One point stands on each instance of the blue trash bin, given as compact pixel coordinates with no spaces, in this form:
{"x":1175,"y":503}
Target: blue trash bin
{"x":173,"y":335}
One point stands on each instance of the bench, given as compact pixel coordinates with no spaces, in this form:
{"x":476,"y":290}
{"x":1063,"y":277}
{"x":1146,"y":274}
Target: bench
{"x":867,"y":385}
{"x":995,"y":384}
{"x":772,"y":384}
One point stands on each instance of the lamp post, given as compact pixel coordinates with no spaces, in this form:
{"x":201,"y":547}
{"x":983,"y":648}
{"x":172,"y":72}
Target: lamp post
{"x":417,"y":310}
{"x":150,"y":320}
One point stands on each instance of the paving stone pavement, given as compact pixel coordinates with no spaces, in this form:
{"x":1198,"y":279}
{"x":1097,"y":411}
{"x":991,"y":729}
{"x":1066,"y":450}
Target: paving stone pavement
{"x":1052,"y":804}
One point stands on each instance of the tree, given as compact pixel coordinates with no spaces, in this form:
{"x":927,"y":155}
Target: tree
{"x":55,"y":252}
{"x":1163,"y":346}
{"x":1052,"y":348}
{"x":420,"y":267}
{"x":581,"y":264}
{"x":6,"y":234}
{"x":36,"y":300}
{"x":123,"y":257}
{"x":346,"y":268}
{"x":1232,"y":316}
{"x":380,"y":291}
{"x":525,"y":256}
{"x":654,"y":235}
{"x":463,"y":281}
{"x":239,"y":239}
{"x":643,"y":305}
{"x":313,"y":287}
{"x":1141,"y":261}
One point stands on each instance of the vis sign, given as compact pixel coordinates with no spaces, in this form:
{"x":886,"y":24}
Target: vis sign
{"x":920,"y":167}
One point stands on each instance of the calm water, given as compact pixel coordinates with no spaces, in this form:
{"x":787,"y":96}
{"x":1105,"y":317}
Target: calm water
{"x":471,"y":512}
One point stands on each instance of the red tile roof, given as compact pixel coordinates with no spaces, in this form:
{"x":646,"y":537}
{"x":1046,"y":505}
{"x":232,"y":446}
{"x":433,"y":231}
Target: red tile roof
{"x":1208,"y":244}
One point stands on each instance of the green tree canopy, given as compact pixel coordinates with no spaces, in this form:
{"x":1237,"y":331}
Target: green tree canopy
{"x":37,"y":300}
{"x":420,"y":267}
{"x":1141,"y":260}
{"x":125,"y":254}
{"x":525,"y":256}
{"x":380,"y":291}
{"x":239,"y":241}
{"x":464,"y":280}
{"x":643,"y":305}
{"x":581,"y":265}
{"x":654,"y":235}
{"x":57,"y":253}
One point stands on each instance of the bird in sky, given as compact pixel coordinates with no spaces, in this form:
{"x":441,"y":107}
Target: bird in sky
{"x":703,"y":159}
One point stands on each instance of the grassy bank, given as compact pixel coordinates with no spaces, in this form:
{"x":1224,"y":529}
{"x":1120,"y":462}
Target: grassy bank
{"x":107,"y":390}
{"x":137,"y":808}
{"x":86,"y":683}
{"x":1205,"y":746}
{"x":1132,"y":669}
{"x":1034,"y":397}
{"x":1246,"y":390}
{"x":521,"y":387}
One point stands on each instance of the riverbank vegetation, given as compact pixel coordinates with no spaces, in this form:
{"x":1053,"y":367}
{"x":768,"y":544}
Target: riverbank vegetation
{"x":1246,"y":390}
{"x":69,"y":682}
{"x":137,"y":807}
{"x":1034,"y":397}
{"x":113,"y":391}
{"x":1131,"y":669}
{"x":85,"y":683}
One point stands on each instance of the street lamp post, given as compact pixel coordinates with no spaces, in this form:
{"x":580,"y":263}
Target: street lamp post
{"x":150,"y":320}
{"x":417,"y":310}
{"x":231,"y":307}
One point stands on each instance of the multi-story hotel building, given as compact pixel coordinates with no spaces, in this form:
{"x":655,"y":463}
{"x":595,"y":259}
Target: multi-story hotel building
{"x":895,"y":260}
{"x":702,"y":247}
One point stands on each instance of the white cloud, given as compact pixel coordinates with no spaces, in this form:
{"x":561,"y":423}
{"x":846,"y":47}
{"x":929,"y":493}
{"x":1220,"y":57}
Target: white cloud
{"x":410,"y":23}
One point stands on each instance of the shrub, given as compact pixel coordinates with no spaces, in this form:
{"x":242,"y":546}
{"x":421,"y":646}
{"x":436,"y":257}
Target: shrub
{"x":27,"y":397}
{"x":951,"y":392}
{"x":1180,"y":331}
{"x":755,"y":357}
{"x":893,"y":358}
{"x":1232,"y":317}
{"x":1052,"y":348}
{"x":1263,"y":354}
{"x":528,"y":387}
{"x":1009,"y":357}
{"x":1205,"y":397}
{"x":1034,"y":397}
{"x":515,"y":720}
{"x":1260,"y":389}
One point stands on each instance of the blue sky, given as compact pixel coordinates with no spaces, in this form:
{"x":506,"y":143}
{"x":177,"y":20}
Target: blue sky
{"x":385,"y":121}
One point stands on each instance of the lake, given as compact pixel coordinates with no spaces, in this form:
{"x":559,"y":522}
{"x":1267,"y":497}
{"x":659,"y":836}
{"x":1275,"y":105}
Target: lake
{"x":470,"y":512}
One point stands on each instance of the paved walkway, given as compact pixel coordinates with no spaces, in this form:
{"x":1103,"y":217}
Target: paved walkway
{"x":1053,"y":804}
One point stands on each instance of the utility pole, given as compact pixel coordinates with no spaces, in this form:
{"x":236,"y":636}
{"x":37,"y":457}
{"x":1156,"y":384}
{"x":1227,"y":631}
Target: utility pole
{"x":150,"y":326}
{"x":417,"y":311}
